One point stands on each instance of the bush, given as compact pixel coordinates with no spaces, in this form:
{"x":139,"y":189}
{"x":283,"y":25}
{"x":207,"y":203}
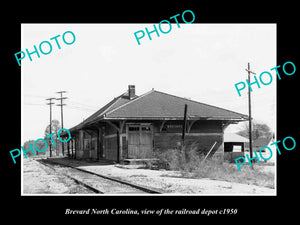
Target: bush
{"x":176,"y":159}
{"x":191,"y":164}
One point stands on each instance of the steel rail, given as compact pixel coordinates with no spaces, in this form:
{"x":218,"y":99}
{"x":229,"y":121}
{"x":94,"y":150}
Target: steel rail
{"x":74,"y":179}
{"x":145,"y":189}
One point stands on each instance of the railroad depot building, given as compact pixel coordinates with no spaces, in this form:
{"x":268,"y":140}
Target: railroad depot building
{"x":135,"y":127}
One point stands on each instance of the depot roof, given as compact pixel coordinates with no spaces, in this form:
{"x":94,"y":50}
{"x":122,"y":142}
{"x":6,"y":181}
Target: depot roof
{"x":156,"y":105}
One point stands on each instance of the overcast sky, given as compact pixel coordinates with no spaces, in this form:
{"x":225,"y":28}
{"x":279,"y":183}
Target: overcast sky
{"x":197,"y":61}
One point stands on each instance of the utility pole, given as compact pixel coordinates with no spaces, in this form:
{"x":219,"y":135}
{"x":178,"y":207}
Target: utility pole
{"x":184,"y":124}
{"x":249,"y":106}
{"x":183,"y":132}
{"x":61,"y":113}
{"x":50,"y":104}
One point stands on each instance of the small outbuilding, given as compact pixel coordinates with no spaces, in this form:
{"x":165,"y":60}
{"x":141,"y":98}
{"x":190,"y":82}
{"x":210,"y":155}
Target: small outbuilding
{"x":234,"y":146}
{"x":135,"y":127}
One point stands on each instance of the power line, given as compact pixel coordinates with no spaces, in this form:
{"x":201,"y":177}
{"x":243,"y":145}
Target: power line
{"x":88,"y":107}
{"x":67,"y":106}
{"x":81,"y":108}
{"x":32,"y":104}
{"x":79,"y":103}
{"x":35,"y":96}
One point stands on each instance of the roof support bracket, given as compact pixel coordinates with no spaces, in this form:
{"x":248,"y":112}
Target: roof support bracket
{"x":89,"y":131}
{"x":122,"y":123}
{"x":190,"y":124}
{"x":113,"y":125}
{"x":162,"y":125}
{"x":225,"y":125}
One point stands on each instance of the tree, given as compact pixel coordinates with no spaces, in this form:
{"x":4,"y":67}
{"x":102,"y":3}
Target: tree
{"x":35,"y":145}
{"x":26,"y":146}
{"x":54,"y":129}
{"x":41,"y":146}
{"x":258,"y":130}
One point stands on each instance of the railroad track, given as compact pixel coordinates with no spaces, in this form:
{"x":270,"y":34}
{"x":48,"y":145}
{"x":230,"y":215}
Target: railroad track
{"x":97,"y":183}
{"x":74,"y":179}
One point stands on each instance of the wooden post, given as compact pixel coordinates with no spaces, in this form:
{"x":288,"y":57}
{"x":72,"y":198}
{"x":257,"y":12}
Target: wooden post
{"x":72,"y":146}
{"x":98,"y":144}
{"x":91,"y":146}
{"x":183,"y":132}
{"x":102,"y":147}
{"x":184,"y":124}
{"x":75,"y":146}
{"x":118,"y":146}
{"x":210,"y":151}
{"x":68,"y":147}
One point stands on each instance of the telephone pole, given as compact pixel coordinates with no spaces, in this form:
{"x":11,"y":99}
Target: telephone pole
{"x":61,"y":113}
{"x":183,"y":148}
{"x":184,"y":127}
{"x":249,"y":106}
{"x":50,"y":104}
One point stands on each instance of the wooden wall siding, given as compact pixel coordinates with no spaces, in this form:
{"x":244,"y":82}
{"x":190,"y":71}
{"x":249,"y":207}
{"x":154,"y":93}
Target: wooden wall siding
{"x":86,"y":154}
{"x":202,"y":143}
{"x":202,"y":135}
{"x":79,"y":147}
{"x":80,"y":140}
{"x":94,"y":154}
{"x":111,"y":148}
{"x":86,"y":145}
{"x":124,"y":148}
{"x":200,"y":126}
{"x":204,"y":126}
{"x":139,"y":141}
{"x":76,"y":146}
{"x":139,"y":147}
{"x":79,"y":154}
{"x":101,"y":142}
{"x":90,"y":148}
{"x":106,"y":146}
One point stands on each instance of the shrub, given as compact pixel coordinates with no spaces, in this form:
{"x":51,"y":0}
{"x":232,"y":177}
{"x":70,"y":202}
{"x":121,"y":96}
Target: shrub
{"x":191,"y":163}
{"x":168,"y":159}
{"x":176,"y":159}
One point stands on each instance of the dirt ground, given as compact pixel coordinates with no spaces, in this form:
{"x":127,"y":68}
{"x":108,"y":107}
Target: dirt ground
{"x":39,"y":179}
{"x":169,"y":182}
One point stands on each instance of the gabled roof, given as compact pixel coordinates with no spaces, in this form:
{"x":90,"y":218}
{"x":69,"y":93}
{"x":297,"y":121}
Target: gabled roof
{"x":116,"y":102}
{"x":156,"y":104}
{"x":159,"y":106}
{"x":232,"y":137}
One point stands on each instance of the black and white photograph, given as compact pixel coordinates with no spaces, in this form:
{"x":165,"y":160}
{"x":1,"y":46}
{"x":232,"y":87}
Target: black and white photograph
{"x":159,"y":116}
{"x":130,"y":112}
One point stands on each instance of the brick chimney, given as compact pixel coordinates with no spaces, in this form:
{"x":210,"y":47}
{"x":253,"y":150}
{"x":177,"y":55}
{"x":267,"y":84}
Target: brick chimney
{"x":131,"y":91}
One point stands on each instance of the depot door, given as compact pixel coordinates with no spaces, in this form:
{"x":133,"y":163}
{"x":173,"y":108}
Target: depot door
{"x":140,"y":141}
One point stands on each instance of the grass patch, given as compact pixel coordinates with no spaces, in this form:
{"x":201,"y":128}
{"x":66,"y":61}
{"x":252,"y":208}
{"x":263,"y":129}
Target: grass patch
{"x":191,"y":165}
